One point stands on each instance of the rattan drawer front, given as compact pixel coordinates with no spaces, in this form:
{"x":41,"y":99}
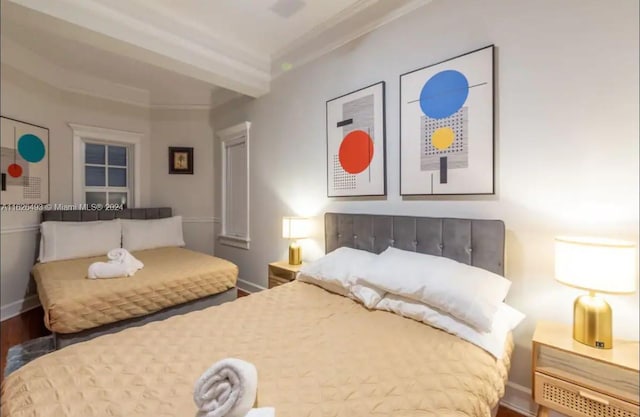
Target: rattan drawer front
{"x":615,"y":380}
{"x":576,"y":401}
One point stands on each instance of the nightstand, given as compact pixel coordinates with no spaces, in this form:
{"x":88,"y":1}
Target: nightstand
{"x":282,"y":272}
{"x":581,"y":381}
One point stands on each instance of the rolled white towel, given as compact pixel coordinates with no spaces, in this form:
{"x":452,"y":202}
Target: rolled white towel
{"x":262,"y":412}
{"x":227,"y":389}
{"x":123,"y":256}
{"x":109,"y":270}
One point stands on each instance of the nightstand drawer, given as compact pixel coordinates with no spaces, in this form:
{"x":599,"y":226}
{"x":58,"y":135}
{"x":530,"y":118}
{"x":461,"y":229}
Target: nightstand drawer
{"x":274,"y":281}
{"x":614,"y":380}
{"x":576,"y":401}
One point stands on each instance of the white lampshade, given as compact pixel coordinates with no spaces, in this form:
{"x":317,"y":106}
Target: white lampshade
{"x":295,"y":227}
{"x":600,"y":265}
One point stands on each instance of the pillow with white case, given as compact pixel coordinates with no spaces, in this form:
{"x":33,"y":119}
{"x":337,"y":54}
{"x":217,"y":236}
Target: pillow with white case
{"x":470,"y":294}
{"x":336,"y":272}
{"x":68,"y":240}
{"x":151,"y":234}
{"x":493,"y":341}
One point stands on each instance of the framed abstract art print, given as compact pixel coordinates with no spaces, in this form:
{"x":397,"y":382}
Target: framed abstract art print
{"x":446,"y":127}
{"x":356,"y":143}
{"x":25,"y":162}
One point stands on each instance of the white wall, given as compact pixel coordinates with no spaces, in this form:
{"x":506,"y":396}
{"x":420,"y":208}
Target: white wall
{"x":566,"y":139}
{"x":191,"y":196}
{"x":30,"y":100}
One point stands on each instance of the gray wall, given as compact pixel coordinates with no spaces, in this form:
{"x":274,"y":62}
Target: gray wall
{"x":566,"y":139}
{"x":30,"y":100}
{"x":191,"y":196}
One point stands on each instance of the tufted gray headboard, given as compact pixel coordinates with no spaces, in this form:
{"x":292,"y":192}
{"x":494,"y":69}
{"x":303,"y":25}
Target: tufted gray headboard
{"x":93,"y":215}
{"x":474,"y":242}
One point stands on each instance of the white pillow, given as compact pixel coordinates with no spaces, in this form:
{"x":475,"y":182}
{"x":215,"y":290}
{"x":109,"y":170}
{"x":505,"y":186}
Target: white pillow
{"x":150,"y":234}
{"x":336,"y":272}
{"x":470,"y":294}
{"x":493,"y":341}
{"x":68,"y":240}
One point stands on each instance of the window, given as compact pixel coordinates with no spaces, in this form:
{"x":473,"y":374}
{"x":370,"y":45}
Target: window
{"x":106,"y":166}
{"x":235,"y":186}
{"x":106,"y":173}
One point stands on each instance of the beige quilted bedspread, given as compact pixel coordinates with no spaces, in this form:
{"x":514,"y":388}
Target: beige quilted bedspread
{"x":317,"y":354}
{"x":170,"y":276}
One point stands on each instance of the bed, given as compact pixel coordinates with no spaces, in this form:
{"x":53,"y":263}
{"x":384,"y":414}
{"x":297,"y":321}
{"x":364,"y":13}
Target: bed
{"x":174,"y":281}
{"x":317,"y":353}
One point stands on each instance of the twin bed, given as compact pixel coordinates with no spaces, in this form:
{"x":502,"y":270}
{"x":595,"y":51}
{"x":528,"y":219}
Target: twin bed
{"x":174,"y":281}
{"x":317,"y":353}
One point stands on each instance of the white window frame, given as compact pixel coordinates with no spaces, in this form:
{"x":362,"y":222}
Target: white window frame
{"x":91,"y":134}
{"x":232,"y":136}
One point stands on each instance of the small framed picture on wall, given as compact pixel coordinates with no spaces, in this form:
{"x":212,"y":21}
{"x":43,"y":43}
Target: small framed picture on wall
{"x":180,"y":160}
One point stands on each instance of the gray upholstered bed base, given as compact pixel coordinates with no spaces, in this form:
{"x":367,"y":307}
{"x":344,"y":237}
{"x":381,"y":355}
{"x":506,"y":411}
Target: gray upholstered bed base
{"x":62,"y":339}
{"x":474,"y":242}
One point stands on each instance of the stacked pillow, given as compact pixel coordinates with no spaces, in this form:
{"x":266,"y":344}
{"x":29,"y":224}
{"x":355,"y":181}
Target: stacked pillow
{"x":338,"y":271}
{"x":69,"y":240}
{"x":460,"y":299}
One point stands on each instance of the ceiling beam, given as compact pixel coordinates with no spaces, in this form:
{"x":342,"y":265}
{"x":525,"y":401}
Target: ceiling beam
{"x":92,"y":22}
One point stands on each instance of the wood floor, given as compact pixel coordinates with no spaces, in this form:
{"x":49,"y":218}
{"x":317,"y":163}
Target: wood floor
{"x":30,"y":325}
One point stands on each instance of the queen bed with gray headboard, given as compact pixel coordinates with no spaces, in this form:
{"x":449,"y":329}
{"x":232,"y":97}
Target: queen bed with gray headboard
{"x":316,"y":352}
{"x":174,"y":281}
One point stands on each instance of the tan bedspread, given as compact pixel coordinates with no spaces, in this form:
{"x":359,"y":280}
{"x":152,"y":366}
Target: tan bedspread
{"x":317,"y":355}
{"x":170,"y":276}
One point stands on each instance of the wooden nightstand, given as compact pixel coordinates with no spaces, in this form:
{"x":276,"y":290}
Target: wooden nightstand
{"x":281,"y":272}
{"x":581,"y":381}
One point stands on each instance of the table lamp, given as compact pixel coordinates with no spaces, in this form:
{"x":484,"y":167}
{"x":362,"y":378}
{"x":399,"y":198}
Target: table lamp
{"x":595,"y":265}
{"x":295,"y":228}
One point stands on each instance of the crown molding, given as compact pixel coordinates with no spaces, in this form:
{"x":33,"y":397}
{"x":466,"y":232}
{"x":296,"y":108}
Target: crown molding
{"x":170,"y":47}
{"x":180,"y":107}
{"x":327,"y":38}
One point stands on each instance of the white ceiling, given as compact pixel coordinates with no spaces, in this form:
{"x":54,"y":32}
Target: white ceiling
{"x":164,"y":87}
{"x":181,"y":52}
{"x":252,"y":23}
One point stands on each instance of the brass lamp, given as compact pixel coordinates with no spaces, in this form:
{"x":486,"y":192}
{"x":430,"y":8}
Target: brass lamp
{"x":595,"y":265}
{"x":295,"y":228}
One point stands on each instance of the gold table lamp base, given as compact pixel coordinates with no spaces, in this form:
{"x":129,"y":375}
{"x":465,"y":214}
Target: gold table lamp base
{"x":295,"y":254}
{"x":592,"y":321}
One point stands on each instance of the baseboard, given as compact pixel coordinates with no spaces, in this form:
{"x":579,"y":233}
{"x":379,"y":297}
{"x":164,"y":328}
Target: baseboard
{"x":249,"y":287}
{"x":518,"y":398}
{"x":19,"y":307}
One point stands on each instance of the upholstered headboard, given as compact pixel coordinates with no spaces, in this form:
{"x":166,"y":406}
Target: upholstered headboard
{"x":93,"y":215}
{"x":89,"y":215}
{"x":474,"y":242}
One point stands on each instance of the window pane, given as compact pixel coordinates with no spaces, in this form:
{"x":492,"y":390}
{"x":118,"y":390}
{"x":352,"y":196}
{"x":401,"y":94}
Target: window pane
{"x":118,"y":155}
{"x":94,"y":154}
{"x":117,"y":177}
{"x":118,"y":198}
{"x":96,"y":198}
{"x":94,"y":176}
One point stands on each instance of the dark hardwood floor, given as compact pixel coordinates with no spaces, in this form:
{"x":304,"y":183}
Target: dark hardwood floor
{"x":30,"y":325}
{"x":18,"y":329}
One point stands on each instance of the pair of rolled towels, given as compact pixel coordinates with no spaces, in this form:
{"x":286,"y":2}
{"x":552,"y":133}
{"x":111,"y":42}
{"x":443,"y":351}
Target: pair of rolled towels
{"x":229,"y":389}
{"x":121,"y":263}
